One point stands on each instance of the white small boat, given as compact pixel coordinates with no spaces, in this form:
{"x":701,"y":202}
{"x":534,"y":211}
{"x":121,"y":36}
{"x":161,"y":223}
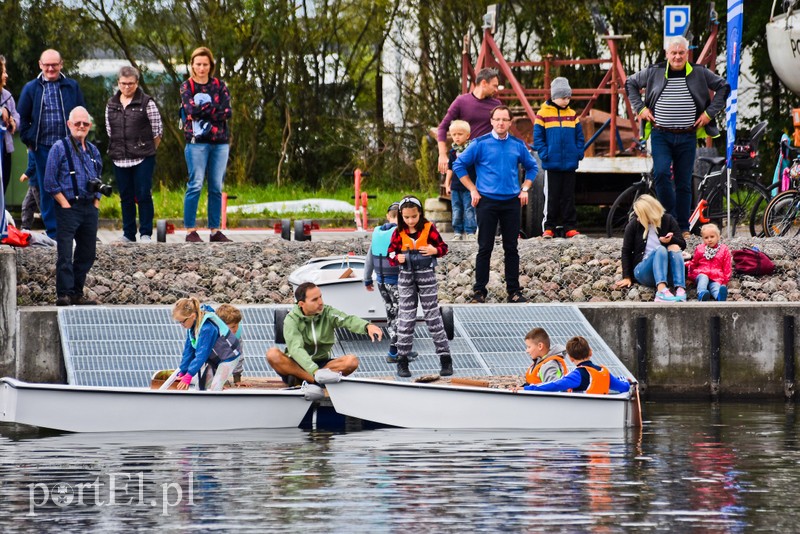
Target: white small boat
{"x":341,"y":280}
{"x":115,"y":409}
{"x":433,"y":406}
{"x":783,"y":44}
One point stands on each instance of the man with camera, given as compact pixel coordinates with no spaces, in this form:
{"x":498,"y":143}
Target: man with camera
{"x":72,"y":178}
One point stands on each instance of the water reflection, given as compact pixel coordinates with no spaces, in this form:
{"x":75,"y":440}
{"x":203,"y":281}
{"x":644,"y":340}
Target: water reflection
{"x":728,"y":468}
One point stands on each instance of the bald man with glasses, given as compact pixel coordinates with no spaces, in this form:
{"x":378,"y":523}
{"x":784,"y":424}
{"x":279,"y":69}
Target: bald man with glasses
{"x":44,"y":106}
{"x":497,"y":197}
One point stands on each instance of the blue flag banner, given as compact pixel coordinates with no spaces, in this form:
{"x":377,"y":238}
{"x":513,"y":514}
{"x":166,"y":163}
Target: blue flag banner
{"x":734,"y":41}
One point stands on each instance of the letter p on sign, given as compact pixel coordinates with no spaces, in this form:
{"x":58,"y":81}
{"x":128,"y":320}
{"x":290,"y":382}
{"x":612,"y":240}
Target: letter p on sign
{"x":676,"y":20}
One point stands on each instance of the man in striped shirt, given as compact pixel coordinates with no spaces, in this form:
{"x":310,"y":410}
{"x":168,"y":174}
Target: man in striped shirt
{"x":678,"y":111}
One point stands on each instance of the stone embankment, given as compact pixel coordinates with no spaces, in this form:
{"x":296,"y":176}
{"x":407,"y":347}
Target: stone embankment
{"x":576,"y":270}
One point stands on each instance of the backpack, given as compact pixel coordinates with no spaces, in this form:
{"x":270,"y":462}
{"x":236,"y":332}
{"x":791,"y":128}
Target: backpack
{"x":752,"y":261}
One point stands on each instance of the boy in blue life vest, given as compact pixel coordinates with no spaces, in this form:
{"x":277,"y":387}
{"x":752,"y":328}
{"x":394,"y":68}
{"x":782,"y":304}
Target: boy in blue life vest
{"x":547,"y":360}
{"x":377,"y":261}
{"x":587,"y":377}
{"x":232,"y":316}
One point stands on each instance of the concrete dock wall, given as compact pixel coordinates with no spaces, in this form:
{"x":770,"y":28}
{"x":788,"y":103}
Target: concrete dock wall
{"x":8,"y":311}
{"x":677,"y":361}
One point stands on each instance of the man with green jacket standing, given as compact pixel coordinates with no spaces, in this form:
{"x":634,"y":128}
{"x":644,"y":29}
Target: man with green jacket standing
{"x":309,"y":333}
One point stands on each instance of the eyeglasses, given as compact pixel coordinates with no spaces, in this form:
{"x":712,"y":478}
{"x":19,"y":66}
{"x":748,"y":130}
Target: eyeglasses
{"x":51,"y":65}
{"x":501,"y":120}
{"x":126,"y":84}
{"x":410,"y":200}
{"x":81,"y":124}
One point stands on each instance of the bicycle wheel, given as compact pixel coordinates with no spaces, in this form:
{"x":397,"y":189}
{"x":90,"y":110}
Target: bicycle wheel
{"x":748,"y":199}
{"x":781,"y":213}
{"x":621,"y":209}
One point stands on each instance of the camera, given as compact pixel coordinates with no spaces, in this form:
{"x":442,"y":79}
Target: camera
{"x":96,"y":186}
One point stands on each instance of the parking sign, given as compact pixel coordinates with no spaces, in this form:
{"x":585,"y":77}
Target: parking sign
{"x":676,"y":20}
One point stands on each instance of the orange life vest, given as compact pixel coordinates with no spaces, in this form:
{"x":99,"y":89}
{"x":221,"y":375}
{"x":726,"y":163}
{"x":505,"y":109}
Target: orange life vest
{"x":420,"y":241}
{"x":532,"y":375}
{"x":599,"y":380}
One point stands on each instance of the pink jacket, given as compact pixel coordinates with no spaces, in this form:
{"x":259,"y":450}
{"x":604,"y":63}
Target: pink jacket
{"x":718,"y":269}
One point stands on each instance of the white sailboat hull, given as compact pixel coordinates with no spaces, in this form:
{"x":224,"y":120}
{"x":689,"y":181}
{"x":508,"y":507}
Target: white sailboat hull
{"x":414,"y":405}
{"x":109,"y":409}
{"x":783,"y":44}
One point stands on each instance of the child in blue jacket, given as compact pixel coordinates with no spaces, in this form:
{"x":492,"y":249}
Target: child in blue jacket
{"x":558,"y":138}
{"x":209,"y":343}
{"x":587,"y":377}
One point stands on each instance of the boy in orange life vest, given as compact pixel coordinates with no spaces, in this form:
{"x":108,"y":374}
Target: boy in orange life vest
{"x":587,"y":377}
{"x":548,"y":360}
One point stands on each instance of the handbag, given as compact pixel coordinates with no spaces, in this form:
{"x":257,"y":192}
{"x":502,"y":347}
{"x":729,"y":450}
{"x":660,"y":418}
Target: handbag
{"x":752,"y":261}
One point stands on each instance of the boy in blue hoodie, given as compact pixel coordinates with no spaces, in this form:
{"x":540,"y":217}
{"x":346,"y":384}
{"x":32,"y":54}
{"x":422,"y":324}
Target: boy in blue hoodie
{"x":558,"y":138}
{"x":377,"y":261}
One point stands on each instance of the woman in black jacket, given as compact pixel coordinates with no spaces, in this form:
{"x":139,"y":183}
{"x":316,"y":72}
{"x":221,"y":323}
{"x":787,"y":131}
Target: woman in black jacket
{"x":651,"y":251}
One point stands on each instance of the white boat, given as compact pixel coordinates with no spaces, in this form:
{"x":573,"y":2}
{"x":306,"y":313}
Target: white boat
{"x":783,"y":44}
{"x":433,"y":406}
{"x":114,"y":409}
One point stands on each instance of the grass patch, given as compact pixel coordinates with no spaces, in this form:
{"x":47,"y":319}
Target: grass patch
{"x":169,"y":203}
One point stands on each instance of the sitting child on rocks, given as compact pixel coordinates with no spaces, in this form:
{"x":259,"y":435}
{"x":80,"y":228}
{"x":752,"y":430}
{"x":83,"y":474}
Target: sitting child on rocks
{"x":710,"y":267}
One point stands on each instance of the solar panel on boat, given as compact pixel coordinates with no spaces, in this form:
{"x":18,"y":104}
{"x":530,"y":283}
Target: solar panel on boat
{"x":123,"y":347}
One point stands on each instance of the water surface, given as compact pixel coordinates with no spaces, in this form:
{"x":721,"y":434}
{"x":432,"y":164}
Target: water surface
{"x":693,"y":468}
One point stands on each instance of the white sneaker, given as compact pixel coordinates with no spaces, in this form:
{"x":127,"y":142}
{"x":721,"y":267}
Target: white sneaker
{"x":458,"y":237}
{"x":312,"y":392}
{"x":145,"y":239}
{"x":471,"y":237}
{"x":124,"y":239}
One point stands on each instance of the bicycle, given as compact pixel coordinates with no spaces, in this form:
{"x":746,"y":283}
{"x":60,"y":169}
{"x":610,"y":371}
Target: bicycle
{"x":783,"y":210}
{"x":748,"y":197}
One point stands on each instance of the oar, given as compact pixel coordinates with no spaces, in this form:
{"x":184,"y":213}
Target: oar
{"x":637,"y":406}
{"x":168,"y":382}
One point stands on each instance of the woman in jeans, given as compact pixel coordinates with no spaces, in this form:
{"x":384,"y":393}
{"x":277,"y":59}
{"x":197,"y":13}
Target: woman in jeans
{"x":207,"y":105}
{"x":651,"y":251}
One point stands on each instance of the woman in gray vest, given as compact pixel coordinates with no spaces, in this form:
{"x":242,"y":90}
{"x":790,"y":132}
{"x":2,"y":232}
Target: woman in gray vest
{"x":134,"y":131}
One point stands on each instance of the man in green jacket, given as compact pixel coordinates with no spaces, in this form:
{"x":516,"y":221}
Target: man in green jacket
{"x":309,"y":333}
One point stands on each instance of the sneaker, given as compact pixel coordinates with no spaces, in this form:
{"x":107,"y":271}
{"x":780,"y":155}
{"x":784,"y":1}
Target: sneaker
{"x":665,"y":296}
{"x":447,"y":366}
{"x":723,"y":294}
{"x":703,"y":296}
{"x":145,"y":239}
{"x":392,"y":358}
{"x":680,"y":295}
{"x":219,"y":237}
{"x":517,"y":298}
{"x":193,"y":237}
{"x":63,"y":300}
{"x":80,"y":300}
{"x":125,"y":239}
{"x":478,"y":298}
{"x":458,"y":237}
{"x":312,"y":392}
{"x":573,"y":233}
{"x":548,"y":234}
{"x":471,"y":237}
{"x":402,"y":368}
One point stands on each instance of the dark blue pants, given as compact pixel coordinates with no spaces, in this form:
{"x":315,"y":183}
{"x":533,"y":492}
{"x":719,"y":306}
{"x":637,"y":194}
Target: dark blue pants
{"x":561,"y":201}
{"x":491,"y":212}
{"x":135,"y":185}
{"x":78,"y":222}
{"x":676,"y":151}
{"x":46,"y":202}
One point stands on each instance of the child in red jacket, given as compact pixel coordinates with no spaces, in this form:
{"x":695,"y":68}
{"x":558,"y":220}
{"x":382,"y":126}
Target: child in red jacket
{"x":711,"y":265}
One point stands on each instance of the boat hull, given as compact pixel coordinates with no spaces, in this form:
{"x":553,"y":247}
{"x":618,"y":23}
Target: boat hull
{"x":783,"y":44}
{"x":106,"y":409}
{"x":413,"y":405}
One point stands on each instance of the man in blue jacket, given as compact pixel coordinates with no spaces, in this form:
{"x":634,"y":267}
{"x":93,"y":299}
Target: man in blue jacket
{"x":497,"y":197}
{"x":44,"y":106}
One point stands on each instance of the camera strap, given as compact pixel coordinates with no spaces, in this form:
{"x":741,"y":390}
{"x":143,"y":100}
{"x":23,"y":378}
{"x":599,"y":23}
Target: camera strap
{"x":68,"y":146}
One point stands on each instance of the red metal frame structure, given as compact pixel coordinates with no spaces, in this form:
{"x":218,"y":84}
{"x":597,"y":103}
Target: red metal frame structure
{"x":613,"y":82}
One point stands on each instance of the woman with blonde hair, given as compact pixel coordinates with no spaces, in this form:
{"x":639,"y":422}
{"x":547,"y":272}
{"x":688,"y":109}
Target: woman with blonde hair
{"x":651,"y":251}
{"x":207,"y":105}
{"x":212,"y":349}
